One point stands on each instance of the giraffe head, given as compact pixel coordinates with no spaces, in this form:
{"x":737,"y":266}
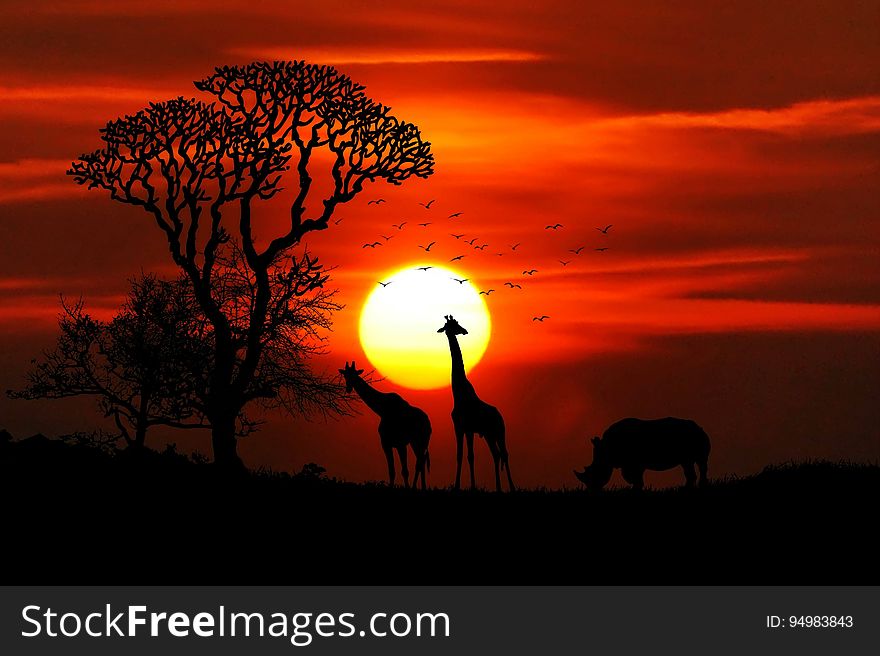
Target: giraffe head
{"x":452,"y":327}
{"x":350,"y":373}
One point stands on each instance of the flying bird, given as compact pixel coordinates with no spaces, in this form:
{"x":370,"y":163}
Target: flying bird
{"x":481,"y":248}
{"x":511,"y":285}
{"x":555,"y":226}
{"x":541,"y":318}
{"x":425,"y":225}
{"x":487,"y":292}
{"x":565,"y":262}
{"x":338,"y":221}
{"x":399,"y":226}
{"x":375,"y":202}
{"x":424,"y":268}
{"x":605,"y":230}
{"x":427,"y":205}
{"x":460,"y":281}
{"x":387,"y":237}
{"x":457,"y":257}
{"x":456,"y":236}
{"x":471,"y":242}
{"x":515,"y":246}
{"x":455,"y":214}
{"x":500,"y":254}
{"x":576,"y":251}
{"x":385,"y":284}
{"x":604,"y":248}
{"x":373,"y":245}
{"x":530,"y":272}
{"x":428,"y":247}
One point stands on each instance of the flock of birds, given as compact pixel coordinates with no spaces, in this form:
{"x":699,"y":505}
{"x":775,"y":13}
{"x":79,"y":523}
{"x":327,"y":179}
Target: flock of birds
{"x":477,"y":245}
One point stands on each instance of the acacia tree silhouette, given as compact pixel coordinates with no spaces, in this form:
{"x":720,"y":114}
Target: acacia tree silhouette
{"x":180,"y":159}
{"x":136,"y":365}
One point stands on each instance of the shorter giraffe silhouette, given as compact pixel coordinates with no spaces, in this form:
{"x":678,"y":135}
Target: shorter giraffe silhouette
{"x":399,"y":424}
{"x":473,"y":416}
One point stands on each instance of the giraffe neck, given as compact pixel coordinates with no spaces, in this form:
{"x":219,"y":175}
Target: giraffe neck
{"x":460,"y":383}
{"x":373,"y":398}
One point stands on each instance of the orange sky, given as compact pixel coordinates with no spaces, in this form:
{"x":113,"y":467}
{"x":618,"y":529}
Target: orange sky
{"x":735,"y":147}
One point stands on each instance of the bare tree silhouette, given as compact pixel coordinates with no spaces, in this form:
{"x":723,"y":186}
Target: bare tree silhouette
{"x":201,"y":169}
{"x":136,"y":364}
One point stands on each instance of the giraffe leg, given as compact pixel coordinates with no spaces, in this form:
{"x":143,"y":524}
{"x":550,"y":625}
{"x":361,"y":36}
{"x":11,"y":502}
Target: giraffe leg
{"x":389,"y":456}
{"x":459,"y":438}
{"x":420,"y":468}
{"x":493,"y":449}
{"x":470,"y":458}
{"x":404,"y":469}
{"x":417,"y":472}
{"x":415,"y":481}
{"x":510,"y":486}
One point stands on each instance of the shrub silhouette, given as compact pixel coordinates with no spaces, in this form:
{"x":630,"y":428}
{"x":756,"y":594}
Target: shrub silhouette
{"x":135,"y":365}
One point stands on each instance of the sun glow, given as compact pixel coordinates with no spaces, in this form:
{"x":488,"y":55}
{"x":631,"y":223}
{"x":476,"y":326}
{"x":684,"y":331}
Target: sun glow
{"x":399,"y":323}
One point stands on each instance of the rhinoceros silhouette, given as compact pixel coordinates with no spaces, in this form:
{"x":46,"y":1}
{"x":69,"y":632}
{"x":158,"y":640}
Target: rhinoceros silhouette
{"x":634,"y":445}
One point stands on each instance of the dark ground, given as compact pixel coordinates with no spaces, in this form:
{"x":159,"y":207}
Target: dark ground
{"x":73,"y":514}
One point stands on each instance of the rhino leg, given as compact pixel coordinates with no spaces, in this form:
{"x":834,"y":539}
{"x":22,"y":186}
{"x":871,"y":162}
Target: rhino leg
{"x":634,"y":476}
{"x":690,"y":476}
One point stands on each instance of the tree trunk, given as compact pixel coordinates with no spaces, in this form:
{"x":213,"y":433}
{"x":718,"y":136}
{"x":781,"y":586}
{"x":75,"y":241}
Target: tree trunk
{"x":140,"y":434}
{"x":224,"y":443}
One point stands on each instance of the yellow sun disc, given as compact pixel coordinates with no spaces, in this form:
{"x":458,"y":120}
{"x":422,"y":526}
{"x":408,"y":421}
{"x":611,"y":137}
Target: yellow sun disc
{"x":399,"y":323}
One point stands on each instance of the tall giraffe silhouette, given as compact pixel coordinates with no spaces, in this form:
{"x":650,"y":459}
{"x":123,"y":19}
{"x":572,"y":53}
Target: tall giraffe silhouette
{"x":399,"y":424}
{"x":472,"y":415}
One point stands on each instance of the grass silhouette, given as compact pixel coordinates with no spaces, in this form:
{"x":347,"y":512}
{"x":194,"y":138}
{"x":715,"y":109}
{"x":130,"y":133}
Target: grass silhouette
{"x":78,"y":514}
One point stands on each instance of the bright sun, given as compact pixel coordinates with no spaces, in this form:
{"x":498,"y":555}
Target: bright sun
{"x":399,"y":323}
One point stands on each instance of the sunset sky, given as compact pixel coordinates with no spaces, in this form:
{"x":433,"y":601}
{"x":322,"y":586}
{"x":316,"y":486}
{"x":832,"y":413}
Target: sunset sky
{"x":734,"y":146}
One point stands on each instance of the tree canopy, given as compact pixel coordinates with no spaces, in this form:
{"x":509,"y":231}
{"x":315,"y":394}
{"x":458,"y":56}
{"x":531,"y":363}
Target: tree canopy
{"x":200,"y":169}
